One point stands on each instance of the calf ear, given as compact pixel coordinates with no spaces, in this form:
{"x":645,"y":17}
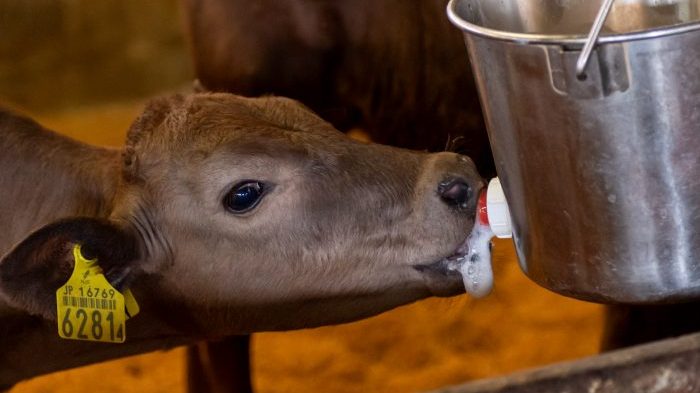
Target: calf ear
{"x":32,"y":272}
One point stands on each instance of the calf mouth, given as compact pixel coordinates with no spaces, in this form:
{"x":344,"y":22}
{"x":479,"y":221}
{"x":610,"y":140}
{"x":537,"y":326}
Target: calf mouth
{"x":443,"y":277}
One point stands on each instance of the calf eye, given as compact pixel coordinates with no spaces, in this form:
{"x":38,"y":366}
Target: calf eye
{"x":244,"y":196}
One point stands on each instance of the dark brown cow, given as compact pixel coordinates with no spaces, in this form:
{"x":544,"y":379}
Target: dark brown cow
{"x":396,"y":68}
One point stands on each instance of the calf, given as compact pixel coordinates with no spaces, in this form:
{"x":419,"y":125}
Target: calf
{"x":224,"y":215}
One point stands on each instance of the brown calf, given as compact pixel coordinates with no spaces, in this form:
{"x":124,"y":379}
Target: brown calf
{"x":225,"y":216}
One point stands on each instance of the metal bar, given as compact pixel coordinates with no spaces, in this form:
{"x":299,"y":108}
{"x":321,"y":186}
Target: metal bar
{"x":667,"y":366}
{"x":592,"y":39}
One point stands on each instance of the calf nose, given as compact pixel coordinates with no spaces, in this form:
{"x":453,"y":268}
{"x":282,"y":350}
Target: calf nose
{"x":455,"y":192}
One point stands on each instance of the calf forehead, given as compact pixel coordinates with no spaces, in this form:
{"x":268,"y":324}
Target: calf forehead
{"x":186,"y":127}
{"x":201,"y":120}
{"x":254,"y":115}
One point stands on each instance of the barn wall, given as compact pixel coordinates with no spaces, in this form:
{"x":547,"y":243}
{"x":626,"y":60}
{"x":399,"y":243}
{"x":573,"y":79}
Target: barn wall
{"x":60,"y":53}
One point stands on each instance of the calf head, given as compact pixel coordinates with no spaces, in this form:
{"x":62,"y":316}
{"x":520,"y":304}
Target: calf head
{"x":259,"y":212}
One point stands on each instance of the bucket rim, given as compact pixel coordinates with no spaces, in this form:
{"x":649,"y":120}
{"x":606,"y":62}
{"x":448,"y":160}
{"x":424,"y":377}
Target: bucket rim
{"x":563,"y":39}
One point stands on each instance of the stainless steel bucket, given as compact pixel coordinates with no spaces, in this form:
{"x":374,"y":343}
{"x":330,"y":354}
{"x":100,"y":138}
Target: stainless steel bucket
{"x":602,"y":173}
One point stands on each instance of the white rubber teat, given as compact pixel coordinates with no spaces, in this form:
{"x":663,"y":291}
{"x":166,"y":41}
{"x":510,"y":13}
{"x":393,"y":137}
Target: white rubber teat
{"x":497,"y":209}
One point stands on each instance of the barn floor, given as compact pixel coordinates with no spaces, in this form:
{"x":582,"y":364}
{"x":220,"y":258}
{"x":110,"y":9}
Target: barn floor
{"x":418,"y":347}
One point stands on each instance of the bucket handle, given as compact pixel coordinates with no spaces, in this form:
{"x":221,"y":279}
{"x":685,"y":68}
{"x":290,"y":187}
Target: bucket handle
{"x":592,"y":39}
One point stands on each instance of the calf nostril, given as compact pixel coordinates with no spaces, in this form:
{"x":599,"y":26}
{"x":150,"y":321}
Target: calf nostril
{"x":455,"y":192}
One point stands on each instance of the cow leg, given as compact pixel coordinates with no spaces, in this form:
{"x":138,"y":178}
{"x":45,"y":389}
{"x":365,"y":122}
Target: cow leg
{"x":220,"y":366}
{"x":632,"y":325}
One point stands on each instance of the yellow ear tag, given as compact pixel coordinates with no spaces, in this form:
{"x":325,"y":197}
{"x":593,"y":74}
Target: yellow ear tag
{"x":89,"y":308}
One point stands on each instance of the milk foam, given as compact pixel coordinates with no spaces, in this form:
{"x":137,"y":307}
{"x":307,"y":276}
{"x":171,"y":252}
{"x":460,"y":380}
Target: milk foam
{"x":475,"y":267}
